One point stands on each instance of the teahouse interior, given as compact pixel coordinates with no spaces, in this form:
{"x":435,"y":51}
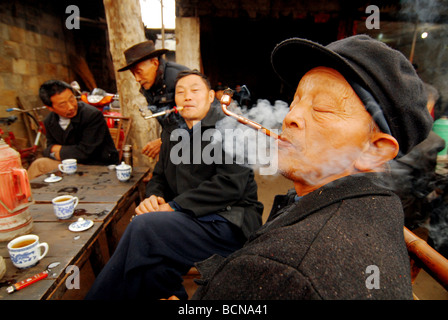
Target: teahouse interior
{"x":233,"y":40}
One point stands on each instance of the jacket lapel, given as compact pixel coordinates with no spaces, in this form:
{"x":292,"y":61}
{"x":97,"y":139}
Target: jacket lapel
{"x":350,"y":187}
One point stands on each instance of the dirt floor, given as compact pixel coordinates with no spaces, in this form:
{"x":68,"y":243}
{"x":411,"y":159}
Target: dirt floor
{"x":425,"y":287}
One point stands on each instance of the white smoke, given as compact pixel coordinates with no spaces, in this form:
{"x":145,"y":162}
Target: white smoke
{"x":248,"y":146}
{"x":422,"y":10}
{"x":270,"y":117}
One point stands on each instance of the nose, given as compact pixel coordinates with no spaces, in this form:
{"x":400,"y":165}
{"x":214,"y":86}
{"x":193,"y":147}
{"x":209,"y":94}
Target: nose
{"x":72,"y":106}
{"x":187,"y":96}
{"x":294,"y":118}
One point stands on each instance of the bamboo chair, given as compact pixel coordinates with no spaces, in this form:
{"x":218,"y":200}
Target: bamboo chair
{"x":120,"y":132}
{"x":422,"y":255}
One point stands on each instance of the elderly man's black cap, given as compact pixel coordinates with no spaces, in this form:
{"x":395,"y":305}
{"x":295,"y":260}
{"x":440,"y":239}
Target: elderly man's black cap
{"x":384,"y":72}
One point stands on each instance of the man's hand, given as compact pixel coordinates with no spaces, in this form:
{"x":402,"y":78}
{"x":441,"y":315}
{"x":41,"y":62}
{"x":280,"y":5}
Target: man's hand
{"x":152,"y":148}
{"x":56,"y":149}
{"x":152,"y":204}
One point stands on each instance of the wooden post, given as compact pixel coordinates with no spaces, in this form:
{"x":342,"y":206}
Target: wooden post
{"x":125,"y":28}
{"x":188,"y":48}
{"x":163,"y":26}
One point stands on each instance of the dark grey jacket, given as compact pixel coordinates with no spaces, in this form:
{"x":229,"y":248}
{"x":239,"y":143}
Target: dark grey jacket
{"x":86,"y":139}
{"x":161,"y":95}
{"x":228,"y":190}
{"x":330,"y":244}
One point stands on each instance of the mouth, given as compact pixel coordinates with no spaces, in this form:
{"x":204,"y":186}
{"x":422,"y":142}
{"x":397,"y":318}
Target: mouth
{"x":144,"y":84}
{"x":288,"y":144}
{"x":284,"y":146}
{"x":283,"y":140}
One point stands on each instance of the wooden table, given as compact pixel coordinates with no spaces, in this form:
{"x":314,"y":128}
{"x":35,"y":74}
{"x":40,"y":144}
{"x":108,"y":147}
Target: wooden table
{"x":103,"y":199}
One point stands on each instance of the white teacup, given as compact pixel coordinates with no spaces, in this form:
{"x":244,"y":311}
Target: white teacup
{"x":25,"y":251}
{"x":68,"y":166}
{"x":64,"y":206}
{"x":123,"y":171}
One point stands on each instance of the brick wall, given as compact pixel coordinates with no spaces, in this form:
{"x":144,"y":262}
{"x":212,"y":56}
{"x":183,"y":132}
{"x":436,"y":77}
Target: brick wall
{"x":33,"y":49}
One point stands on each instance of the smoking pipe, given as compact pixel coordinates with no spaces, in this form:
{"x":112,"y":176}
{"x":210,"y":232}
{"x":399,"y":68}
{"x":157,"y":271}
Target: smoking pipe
{"x":225,"y":102}
{"x":161,"y":113}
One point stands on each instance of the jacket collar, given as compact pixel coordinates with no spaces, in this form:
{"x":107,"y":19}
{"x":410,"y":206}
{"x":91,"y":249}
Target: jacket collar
{"x":357,"y":185}
{"x":213,"y":115}
{"x":75,"y":119}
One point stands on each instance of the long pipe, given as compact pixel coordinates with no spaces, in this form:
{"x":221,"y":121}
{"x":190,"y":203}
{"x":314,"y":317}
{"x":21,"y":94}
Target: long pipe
{"x":161,"y":113}
{"x":433,"y":262}
{"x":225,"y":102}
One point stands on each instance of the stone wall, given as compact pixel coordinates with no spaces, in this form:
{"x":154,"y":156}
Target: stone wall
{"x":33,"y":49}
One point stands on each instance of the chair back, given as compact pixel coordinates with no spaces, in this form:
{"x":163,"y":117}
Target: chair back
{"x":424,"y":256}
{"x":119,"y":131}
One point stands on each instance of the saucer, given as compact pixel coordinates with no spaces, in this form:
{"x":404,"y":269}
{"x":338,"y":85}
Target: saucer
{"x":53,"y":178}
{"x":80,"y":225}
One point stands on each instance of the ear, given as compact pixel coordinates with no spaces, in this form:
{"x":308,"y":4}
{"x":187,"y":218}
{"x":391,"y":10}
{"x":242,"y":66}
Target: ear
{"x":381,"y":149}
{"x":211,"y":95}
{"x":50,"y":108}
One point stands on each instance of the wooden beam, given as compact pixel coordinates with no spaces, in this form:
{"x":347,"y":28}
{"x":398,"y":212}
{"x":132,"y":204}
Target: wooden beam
{"x":188,"y":48}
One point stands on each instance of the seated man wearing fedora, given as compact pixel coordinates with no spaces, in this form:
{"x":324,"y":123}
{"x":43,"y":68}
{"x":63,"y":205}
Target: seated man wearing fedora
{"x":357,"y":105}
{"x":156,"y":78}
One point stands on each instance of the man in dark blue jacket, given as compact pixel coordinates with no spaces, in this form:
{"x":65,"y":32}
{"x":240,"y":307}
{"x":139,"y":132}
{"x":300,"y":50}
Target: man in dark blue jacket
{"x":74,"y":130}
{"x":194,"y":208}
{"x":156,"y":77}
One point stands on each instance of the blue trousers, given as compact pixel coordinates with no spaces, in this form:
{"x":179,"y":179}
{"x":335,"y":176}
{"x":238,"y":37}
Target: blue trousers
{"x":156,"y":250}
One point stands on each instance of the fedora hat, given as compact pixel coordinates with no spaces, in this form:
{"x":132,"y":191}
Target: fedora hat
{"x":371,"y":65}
{"x":140,"y":52}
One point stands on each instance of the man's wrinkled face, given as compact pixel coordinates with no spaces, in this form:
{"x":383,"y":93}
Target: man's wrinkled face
{"x":64,"y":104}
{"x":145,"y":72}
{"x":193,"y":94}
{"x":325,"y":131}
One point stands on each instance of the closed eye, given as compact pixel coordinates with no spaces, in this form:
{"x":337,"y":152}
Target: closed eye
{"x":323,"y":108}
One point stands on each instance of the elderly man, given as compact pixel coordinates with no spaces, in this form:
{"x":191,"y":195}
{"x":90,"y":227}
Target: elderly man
{"x":74,"y":130}
{"x":357,"y":105}
{"x":156,"y":77}
{"x":194,"y":209}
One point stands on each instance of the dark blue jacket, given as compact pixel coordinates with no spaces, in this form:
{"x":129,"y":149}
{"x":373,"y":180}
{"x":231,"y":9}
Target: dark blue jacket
{"x":226,"y":189}
{"x":87,"y":138}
